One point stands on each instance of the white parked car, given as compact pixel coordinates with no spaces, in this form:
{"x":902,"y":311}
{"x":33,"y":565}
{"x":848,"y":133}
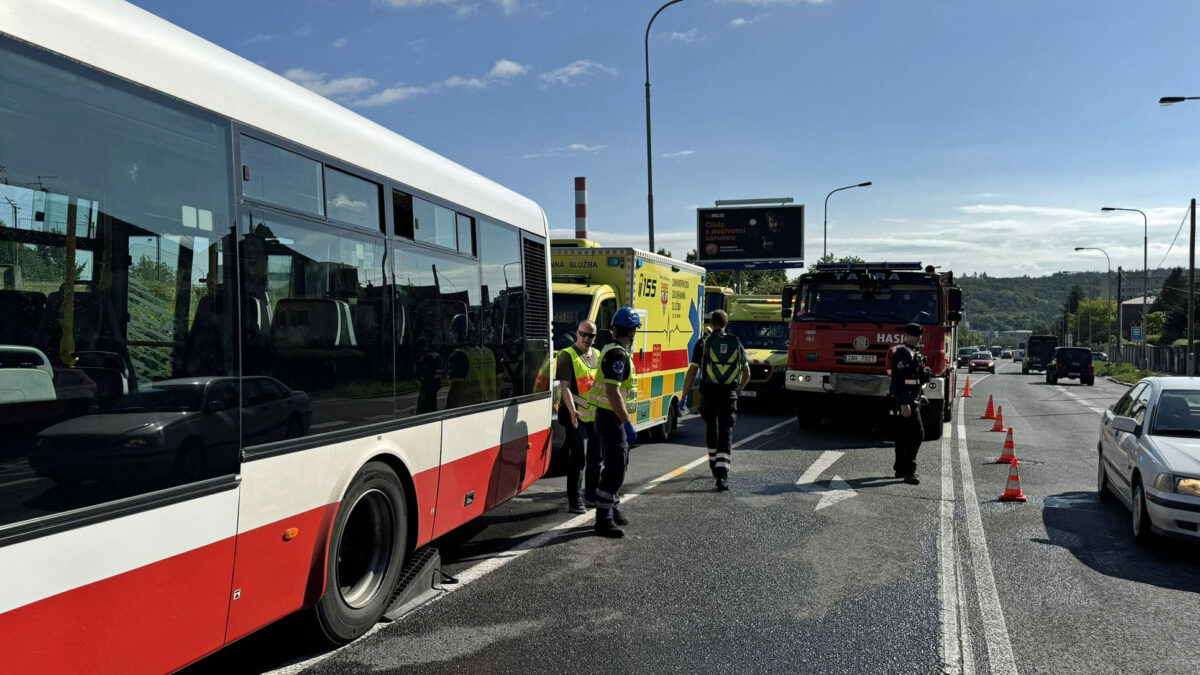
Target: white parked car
{"x":1150,"y":456}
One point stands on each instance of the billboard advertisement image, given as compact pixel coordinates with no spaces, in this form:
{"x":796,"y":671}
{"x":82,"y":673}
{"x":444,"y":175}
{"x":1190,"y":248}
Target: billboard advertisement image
{"x":753,"y":234}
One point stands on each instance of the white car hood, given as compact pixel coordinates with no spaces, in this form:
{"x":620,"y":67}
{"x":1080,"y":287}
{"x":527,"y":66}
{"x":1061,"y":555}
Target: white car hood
{"x":1181,"y":454}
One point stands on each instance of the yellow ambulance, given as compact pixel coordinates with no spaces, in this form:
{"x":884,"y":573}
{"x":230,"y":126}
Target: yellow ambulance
{"x":590,"y":281}
{"x":756,"y":321}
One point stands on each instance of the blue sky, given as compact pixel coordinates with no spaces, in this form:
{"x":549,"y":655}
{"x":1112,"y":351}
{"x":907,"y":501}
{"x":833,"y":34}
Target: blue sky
{"x":993,"y":130}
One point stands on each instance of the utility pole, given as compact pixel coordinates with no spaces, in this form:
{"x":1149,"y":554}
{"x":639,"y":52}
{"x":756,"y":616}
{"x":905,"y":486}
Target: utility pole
{"x":1120,"y":319}
{"x":1191,"y":304}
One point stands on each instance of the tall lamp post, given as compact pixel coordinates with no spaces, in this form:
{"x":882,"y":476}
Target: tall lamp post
{"x":649,"y":156}
{"x":1145,"y":272}
{"x":1107,"y":276}
{"x":1191,"y":304}
{"x":825,"y":227}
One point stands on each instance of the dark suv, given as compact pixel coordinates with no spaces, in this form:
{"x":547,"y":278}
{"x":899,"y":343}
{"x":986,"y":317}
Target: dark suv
{"x":1071,"y":363}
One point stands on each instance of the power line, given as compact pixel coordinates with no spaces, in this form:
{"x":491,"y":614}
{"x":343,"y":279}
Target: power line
{"x":1185,"y":217}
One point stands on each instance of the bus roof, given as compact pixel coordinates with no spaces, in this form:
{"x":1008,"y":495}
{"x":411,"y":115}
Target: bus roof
{"x":135,"y":45}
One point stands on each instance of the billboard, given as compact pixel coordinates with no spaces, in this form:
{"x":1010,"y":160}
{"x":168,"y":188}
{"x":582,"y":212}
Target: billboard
{"x":748,"y":237}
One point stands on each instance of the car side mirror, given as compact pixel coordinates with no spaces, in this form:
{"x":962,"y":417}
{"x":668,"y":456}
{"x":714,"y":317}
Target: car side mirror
{"x":788,"y":294}
{"x":214,"y":407}
{"x":1126,"y":424}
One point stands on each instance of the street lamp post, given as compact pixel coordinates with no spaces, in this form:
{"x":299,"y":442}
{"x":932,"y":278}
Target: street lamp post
{"x":1145,"y":272}
{"x":649,"y":156}
{"x":1107,"y":282}
{"x":825,"y":225}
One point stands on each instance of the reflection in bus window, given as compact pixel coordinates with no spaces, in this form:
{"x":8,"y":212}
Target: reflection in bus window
{"x":316,"y":318}
{"x":114,"y":265}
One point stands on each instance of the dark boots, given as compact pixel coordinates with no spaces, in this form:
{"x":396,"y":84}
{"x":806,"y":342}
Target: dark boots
{"x":606,"y":524}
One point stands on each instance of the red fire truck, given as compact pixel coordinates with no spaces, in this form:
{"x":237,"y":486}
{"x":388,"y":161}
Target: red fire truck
{"x":846,"y":319}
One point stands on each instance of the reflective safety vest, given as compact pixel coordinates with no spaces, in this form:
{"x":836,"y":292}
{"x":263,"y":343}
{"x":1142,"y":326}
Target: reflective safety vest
{"x":542,"y":383}
{"x":628,"y":388}
{"x":474,"y":386}
{"x":585,"y":377}
{"x":723,"y":359}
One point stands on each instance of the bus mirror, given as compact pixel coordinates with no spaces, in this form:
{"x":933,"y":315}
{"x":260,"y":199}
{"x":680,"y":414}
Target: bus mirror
{"x":786,"y":311}
{"x":954,"y":315}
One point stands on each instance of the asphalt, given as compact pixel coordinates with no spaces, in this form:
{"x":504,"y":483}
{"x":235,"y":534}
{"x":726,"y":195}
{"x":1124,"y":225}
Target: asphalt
{"x":853,"y":572}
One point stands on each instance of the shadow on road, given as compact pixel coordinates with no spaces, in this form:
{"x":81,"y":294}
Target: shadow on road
{"x":1098,"y":534}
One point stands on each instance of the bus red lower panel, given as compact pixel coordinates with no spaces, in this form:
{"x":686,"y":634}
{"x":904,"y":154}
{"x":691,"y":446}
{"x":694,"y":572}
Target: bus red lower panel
{"x":153,"y":619}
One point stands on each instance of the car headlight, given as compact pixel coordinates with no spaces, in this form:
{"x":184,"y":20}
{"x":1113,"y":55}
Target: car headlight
{"x":1188,"y":486}
{"x":1164,"y":482}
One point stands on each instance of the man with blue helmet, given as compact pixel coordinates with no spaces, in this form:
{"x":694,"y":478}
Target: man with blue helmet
{"x":615,"y":398}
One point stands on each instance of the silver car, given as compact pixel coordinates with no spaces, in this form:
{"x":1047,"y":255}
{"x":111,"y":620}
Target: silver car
{"x":1150,"y":456}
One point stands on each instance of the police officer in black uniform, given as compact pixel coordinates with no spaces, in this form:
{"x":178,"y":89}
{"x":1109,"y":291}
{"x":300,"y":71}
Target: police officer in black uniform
{"x":909,"y":372}
{"x":721,"y":362}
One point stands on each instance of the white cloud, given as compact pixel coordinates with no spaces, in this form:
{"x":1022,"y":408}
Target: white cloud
{"x":303,"y":31}
{"x":339,"y":43}
{"x":466,"y":10}
{"x":261,"y":38}
{"x":505,"y":68}
{"x":335,"y":89}
{"x":742,"y":22}
{"x":409,"y":4}
{"x":689,"y":36}
{"x":509,"y":7}
{"x":679,"y":153}
{"x":575,"y":70}
{"x":767,"y":3}
{"x":455,"y":81}
{"x":567,"y":151}
{"x":389,"y":95}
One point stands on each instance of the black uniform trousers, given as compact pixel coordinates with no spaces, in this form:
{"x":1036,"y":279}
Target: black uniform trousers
{"x":614,"y":458}
{"x":909,"y":435}
{"x":583,"y":452}
{"x":718,"y":407}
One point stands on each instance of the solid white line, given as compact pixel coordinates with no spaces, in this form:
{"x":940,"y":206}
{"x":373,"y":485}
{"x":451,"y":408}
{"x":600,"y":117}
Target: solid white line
{"x":948,"y":596}
{"x":1079,"y":399}
{"x":995,"y":630}
{"x":498,"y":560}
{"x":815,"y":469}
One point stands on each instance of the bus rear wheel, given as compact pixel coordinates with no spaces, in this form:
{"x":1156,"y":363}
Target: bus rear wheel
{"x":365,"y":557}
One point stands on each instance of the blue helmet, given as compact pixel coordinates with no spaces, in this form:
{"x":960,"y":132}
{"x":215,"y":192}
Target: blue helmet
{"x":627,"y":318}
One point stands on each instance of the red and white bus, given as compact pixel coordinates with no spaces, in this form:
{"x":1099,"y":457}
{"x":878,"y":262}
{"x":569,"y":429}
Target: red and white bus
{"x":255,"y":350}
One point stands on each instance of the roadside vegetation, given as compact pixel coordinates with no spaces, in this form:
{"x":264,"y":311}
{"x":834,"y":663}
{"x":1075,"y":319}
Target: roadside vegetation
{"x":1122,"y":372}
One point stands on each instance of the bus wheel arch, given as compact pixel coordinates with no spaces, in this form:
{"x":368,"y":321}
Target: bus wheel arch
{"x":367,"y":549}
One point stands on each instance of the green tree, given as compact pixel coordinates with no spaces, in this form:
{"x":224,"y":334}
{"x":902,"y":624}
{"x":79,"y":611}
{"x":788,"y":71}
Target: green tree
{"x":1155,"y":322}
{"x":754,"y":282}
{"x":1172,"y":303}
{"x":830,"y":258}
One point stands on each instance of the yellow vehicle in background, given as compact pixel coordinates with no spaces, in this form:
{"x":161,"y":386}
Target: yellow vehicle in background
{"x":590,"y":281}
{"x":756,"y":321}
{"x":715,"y":297}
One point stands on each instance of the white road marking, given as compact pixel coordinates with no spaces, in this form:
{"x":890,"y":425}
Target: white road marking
{"x":948,"y":587}
{"x":995,"y":630}
{"x":1079,"y":399}
{"x":836,"y":491}
{"x":498,"y":560}
{"x":818,"y":467}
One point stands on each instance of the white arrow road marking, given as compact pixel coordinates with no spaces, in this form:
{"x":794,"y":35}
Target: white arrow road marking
{"x":837,"y":490}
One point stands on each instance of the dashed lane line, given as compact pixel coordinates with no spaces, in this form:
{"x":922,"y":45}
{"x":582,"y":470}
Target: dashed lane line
{"x":498,"y":560}
{"x":948,"y":586}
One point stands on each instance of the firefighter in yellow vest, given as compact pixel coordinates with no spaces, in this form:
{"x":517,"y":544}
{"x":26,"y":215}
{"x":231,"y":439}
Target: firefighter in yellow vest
{"x":615,"y":399}
{"x":721,"y":362}
{"x":575,"y":369}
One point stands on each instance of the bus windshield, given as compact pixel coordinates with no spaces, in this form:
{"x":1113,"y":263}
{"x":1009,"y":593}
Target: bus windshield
{"x":771,"y":335}
{"x":850,"y":302}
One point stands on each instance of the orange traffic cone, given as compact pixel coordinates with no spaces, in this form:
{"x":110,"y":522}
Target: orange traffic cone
{"x":967,"y":389}
{"x":990,"y":413}
{"x":1010,"y":450}
{"x":999,"y":425}
{"x":1012,"y":490}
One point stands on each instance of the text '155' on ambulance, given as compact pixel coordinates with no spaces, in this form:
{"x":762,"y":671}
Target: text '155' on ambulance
{"x":755,"y":320}
{"x":590,"y":281}
{"x":846,"y":319}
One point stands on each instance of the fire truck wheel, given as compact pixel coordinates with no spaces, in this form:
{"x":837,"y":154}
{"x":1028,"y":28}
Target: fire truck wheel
{"x":365,"y":555}
{"x":931,"y":419}
{"x":807,"y":418}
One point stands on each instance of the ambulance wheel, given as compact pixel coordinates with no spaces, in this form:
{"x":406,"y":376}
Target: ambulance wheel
{"x":663,"y":432}
{"x":365,"y":556}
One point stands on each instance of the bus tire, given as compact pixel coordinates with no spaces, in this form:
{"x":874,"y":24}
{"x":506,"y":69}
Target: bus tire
{"x":365,"y":556}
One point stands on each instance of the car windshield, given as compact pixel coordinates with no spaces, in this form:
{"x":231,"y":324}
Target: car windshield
{"x":1177,"y":414}
{"x":163,"y":397}
{"x":983,"y":356}
{"x":569,"y":310}
{"x":1074,"y":357}
{"x":760,"y":334}
{"x":966,"y":352}
{"x":849,"y":302}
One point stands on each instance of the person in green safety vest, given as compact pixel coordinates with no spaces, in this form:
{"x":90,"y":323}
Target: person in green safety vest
{"x":468,"y":366}
{"x":721,"y":362}
{"x":615,"y":400}
{"x":575,"y":369}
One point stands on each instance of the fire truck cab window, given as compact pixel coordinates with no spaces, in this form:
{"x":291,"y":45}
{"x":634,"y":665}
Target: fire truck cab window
{"x":908,"y":303}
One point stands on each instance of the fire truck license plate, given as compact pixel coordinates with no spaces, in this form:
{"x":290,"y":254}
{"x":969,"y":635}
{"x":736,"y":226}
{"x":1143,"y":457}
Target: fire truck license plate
{"x":860,"y":358}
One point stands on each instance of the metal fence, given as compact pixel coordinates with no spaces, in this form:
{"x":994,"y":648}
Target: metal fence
{"x":1161,"y":359}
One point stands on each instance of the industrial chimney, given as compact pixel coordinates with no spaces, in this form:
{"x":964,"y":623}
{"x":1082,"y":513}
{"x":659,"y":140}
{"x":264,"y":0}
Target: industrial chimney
{"x":581,"y":207}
